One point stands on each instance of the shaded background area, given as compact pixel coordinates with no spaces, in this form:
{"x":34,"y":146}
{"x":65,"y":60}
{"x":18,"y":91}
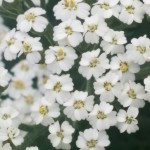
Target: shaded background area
{"x":139,"y":140}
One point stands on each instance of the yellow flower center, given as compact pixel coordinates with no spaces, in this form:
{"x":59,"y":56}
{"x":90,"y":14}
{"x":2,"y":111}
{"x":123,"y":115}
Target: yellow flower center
{"x":129,"y":120}
{"x":45,"y":78}
{"x":105,"y":6}
{"x":68,"y":30}
{"x":11,"y":41}
{"x":114,"y":41}
{"x":78,"y":104}
{"x":57,"y":87}
{"x":19,"y":84}
{"x":30,"y":17}
{"x":24,"y":67}
{"x":43,"y":109}
{"x":92,"y":27}
{"x":101,"y":115}
{"x":29,"y":99}
{"x":5,"y":116}
{"x":70,"y":4}
{"x":124,"y":67}
{"x":130,"y":9}
{"x":108,"y":86}
{"x":141,"y":49}
{"x":91,"y":143}
{"x":94,"y":62}
{"x":60,"y":134}
{"x":131,"y":94}
{"x":27,"y":48}
{"x":60,"y":55}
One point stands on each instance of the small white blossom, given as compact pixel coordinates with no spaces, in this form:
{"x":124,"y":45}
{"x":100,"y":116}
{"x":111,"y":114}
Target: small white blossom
{"x":12,"y":133}
{"x":78,"y":106}
{"x":32,"y":19}
{"x":69,"y":32}
{"x":102,"y":116}
{"x":59,"y":88}
{"x":105,"y":8}
{"x":132,"y":94}
{"x":131,"y":10}
{"x":61,"y":135}
{"x":94,"y":28}
{"x":93,"y":64}
{"x":71,"y":9}
{"x":127,"y":120}
{"x":107,"y":87}
{"x":7,"y":114}
{"x":44,"y":111}
{"x":139,"y":50}
{"x":91,"y":139}
{"x":113,"y":42}
{"x":125,"y":68}
{"x":60,"y":58}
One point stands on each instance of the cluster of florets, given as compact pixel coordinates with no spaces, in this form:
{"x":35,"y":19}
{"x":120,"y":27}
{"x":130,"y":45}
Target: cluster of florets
{"x":45,"y":93}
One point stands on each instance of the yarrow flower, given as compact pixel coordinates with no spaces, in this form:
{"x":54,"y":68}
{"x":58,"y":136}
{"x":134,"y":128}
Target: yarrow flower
{"x":71,"y":9}
{"x":32,"y":19}
{"x":69,"y":32}
{"x":93,"y":64}
{"x":92,"y":139}
{"x":127,"y":120}
{"x":61,"y":135}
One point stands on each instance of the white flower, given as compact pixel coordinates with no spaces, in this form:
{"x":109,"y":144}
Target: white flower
{"x":94,"y":28}
{"x":5,"y":146}
{"x":132,"y":94}
{"x":60,"y":58}
{"x":18,"y":85}
{"x":139,"y":50}
{"x":71,"y":9}
{"x":124,"y":67}
{"x":127,"y":120}
{"x":132,"y":10}
{"x":113,"y":42}
{"x":78,"y":106}
{"x":32,"y":19}
{"x":105,"y":8}
{"x":4,"y":77}
{"x":7,"y":114}
{"x":147,"y":84}
{"x":91,"y":139}
{"x":69,"y":32}
{"x":13,"y":134}
{"x":93,"y":64}
{"x":32,"y":148}
{"x":59,"y":88}
{"x":11,"y":43}
{"x":61,"y":135}
{"x":44,"y":111}
{"x":102,"y":116}
{"x":107,"y":86}
{"x":31,"y":48}
{"x":24,"y":68}
{"x":8,"y":1}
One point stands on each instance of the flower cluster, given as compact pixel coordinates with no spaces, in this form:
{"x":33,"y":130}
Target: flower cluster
{"x":41,"y":86}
